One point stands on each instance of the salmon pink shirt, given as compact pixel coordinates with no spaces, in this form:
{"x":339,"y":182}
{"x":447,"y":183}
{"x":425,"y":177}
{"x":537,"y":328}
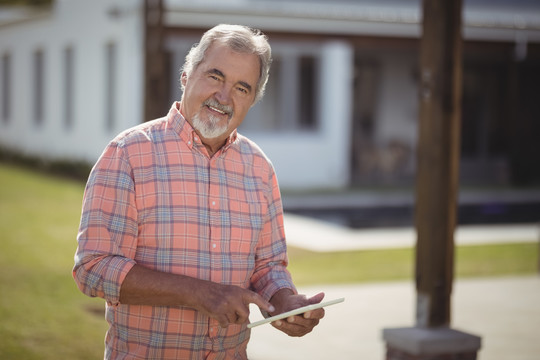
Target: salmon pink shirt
{"x":156,"y":199}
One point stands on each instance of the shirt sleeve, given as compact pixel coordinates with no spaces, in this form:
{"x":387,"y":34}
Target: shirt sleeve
{"x":271,"y":272}
{"x":108,"y":229}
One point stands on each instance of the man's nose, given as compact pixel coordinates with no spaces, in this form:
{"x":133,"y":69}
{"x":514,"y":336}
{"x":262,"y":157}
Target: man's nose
{"x":223,"y":94}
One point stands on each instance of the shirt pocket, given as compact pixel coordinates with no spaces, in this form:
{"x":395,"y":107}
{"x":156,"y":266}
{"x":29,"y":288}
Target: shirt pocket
{"x":246,"y":222}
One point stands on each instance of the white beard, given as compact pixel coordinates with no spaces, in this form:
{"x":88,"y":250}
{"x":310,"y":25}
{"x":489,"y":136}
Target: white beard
{"x":209,"y":129}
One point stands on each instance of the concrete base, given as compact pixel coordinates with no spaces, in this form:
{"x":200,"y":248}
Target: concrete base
{"x":417,"y":343}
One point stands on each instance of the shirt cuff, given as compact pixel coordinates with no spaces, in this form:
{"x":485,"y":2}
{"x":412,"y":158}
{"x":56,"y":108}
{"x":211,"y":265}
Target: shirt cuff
{"x":274,"y":286}
{"x":106,"y":277}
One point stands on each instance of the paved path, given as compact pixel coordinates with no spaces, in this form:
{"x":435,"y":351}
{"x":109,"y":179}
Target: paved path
{"x":317,"y":235}
{"x":504,"y":311}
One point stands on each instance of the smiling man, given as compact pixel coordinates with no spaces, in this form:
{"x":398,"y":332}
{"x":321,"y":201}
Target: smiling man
{"x":182,"y":222}
{"x":219,"y":92}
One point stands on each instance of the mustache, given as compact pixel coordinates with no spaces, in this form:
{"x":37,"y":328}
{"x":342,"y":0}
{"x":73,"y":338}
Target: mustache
{"x":215,"y":104}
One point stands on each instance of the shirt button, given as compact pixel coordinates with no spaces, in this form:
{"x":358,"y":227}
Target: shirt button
{"x":214,"y":246}
{"x":189,"y":142}
{"x":213,"y":203}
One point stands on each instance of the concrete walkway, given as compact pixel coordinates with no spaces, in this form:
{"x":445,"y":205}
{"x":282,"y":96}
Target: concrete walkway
{"x":316,"y":235}
{"x":504,"y":311}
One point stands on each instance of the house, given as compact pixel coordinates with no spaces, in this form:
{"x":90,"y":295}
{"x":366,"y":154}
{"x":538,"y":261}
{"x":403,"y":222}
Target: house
{"x":341,"y":106}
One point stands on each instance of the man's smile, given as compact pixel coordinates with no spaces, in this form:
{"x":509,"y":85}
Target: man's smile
{"x":217,"y":110}
{"x":215,"y":106}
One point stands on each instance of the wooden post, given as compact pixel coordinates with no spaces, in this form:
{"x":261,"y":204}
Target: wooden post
{"x":156,"y":102}
{"x":438,"y":159}
{"x":436,"y":194}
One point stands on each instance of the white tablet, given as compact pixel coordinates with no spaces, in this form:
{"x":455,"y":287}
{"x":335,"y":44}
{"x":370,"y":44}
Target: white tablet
{"x":298,"y":311}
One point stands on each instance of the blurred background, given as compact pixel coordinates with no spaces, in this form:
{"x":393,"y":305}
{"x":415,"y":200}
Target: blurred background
{"x":341,"y":100}
{"x":339,"y":122}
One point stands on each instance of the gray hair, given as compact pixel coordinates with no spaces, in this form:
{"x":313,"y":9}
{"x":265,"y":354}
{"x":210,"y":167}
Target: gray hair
{"x":240,"y":39}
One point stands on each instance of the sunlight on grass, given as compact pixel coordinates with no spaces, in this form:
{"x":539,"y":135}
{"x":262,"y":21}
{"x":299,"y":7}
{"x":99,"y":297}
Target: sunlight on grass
{"x":43,"y":314}
{"x":309,"y":267}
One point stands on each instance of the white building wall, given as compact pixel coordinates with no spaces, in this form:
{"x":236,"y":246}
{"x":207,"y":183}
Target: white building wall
{"x":318,"y":159}
{"x":398,"y":106}
{"x":86,"y":26}
{"x":302,"y":159}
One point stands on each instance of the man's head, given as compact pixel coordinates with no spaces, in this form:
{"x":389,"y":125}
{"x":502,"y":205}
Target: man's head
{"x":240,"y":39}
{"x":224,"y":75}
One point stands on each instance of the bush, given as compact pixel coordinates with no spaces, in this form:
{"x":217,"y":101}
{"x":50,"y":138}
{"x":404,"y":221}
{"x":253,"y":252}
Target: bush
{"x":74,"y":169}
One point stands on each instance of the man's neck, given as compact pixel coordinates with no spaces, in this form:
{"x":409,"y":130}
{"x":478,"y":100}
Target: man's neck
{"x":212,"y":146}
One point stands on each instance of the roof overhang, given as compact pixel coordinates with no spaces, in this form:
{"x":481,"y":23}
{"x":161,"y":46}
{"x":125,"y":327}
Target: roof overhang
{"x":402,"y":19}
{"x":13,"y":15}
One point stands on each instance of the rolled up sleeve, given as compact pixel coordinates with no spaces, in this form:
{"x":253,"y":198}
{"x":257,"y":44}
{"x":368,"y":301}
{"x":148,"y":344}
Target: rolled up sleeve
{"x":107,"y":234}
{"x":271,"y":272}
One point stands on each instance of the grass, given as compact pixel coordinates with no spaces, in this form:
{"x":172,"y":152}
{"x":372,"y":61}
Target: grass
{"x":44,"y":316}
{"x":309,"y":268}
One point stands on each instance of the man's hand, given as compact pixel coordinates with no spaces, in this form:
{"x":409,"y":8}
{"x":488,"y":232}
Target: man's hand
{"x":298,"y":325}
{"x":229,"y":304}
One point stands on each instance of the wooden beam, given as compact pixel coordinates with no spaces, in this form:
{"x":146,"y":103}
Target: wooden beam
{"x":438,"y":159}
{"x":156,"y":83}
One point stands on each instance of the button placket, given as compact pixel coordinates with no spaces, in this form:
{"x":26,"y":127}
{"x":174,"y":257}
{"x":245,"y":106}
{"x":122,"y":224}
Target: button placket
{"x":215,"y":222}
{"x":215,"y":225}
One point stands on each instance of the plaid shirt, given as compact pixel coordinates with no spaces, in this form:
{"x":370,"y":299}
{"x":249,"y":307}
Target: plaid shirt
{"x":156,"y":199}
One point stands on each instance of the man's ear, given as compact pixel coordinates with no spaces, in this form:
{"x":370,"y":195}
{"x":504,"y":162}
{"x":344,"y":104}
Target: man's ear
{"x":183,"y":78}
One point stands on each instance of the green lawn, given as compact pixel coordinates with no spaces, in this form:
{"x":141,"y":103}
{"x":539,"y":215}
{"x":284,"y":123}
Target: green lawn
{"x":310,"y":268}
{"x":44,"y":316}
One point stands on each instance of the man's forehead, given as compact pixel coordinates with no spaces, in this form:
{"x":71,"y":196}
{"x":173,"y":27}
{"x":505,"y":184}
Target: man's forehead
{"x":222,"y":48}
{"x":216,"y":61}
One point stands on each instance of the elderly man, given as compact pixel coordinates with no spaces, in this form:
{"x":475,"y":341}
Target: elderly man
{"x":182,"y":223}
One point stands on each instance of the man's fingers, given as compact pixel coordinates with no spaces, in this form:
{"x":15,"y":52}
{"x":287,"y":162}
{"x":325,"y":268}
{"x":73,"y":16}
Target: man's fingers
{"x":230,"y":304}
{"x":242,"y":315}
{"x":319,"y":313}
{"x":223,"y":321}
{"x":254,"y":298}
{"x":298,"y":327}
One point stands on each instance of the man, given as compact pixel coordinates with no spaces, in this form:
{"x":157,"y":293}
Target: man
{"x":182,"y":223}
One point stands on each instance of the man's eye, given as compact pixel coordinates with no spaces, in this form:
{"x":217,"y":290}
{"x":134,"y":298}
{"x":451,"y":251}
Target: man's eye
{"x":242,"y":90}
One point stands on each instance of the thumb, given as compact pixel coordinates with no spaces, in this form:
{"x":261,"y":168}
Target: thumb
{"x":315,"y":299}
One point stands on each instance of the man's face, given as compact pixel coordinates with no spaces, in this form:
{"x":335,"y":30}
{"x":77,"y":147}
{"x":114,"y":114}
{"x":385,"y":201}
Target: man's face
{"x":220,"y":91}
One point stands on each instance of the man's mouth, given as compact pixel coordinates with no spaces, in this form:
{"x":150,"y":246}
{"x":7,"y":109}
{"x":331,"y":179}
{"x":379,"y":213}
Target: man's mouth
{"x":217,"y":107}
{"x":217,"y":110}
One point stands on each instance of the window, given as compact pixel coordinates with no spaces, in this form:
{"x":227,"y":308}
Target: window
{"x":265,"y":115}
{"x":110,"y":85}
{"x":6,"y":88}
{"x":39,"y":84}
{"x":69,"y":88}
{"x":307,"y":92}
{"x":290,"y":102}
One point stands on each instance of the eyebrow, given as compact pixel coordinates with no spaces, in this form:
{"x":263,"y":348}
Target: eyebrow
{"x":219,"y":73}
